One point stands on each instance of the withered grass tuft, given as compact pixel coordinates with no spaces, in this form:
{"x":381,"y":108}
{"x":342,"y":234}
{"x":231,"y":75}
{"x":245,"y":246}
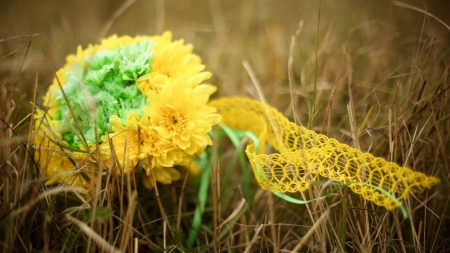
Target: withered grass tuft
{"x":374,"y":75}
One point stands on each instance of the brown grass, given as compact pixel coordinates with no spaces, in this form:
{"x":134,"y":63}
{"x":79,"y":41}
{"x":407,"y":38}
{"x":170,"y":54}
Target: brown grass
{"x":373,"y":75}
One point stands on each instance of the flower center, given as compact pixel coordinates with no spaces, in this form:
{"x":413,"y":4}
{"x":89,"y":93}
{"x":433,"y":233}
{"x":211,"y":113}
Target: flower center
{"x":174,"y":122}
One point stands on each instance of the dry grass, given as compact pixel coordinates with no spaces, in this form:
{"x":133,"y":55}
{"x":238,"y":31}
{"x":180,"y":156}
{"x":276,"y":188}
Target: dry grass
{"x":372,"y":75}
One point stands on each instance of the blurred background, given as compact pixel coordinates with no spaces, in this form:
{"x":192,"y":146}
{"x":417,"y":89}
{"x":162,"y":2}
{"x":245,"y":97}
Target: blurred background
{"x":311,"y":58}
{"x":224,"y":33}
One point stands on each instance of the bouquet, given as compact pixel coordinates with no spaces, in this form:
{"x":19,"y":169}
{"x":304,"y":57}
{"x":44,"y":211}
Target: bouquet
{"x":124,"y":102}
{"x":139,"y":105}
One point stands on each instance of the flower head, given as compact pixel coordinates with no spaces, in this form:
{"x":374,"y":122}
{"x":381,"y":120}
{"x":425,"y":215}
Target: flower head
{"x":139,"y":99}
{"x":180,"y":114}
{"x":172,"y":61}
{"x":139,"y":141}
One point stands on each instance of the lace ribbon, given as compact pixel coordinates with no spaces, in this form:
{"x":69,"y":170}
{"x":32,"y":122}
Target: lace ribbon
{"x":303,"y":156}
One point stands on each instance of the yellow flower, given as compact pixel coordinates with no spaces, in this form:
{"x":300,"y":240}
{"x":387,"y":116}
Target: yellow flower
{"x":180,"y":113}
{"x":171,"y":61}
{"x":174,"y":59}
{"x":54,"y":159}
{"x":139,"y":140}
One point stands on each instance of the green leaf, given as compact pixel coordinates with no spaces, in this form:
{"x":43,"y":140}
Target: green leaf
{"x":102,"y":213}
{"x":202,"y":198}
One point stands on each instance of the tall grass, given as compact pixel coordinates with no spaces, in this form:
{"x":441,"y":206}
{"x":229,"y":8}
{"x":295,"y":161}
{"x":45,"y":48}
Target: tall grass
{"x":373,"y":76}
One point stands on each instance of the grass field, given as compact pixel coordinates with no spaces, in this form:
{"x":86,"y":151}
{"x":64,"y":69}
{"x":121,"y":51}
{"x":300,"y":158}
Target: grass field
{"x":373,"y":75}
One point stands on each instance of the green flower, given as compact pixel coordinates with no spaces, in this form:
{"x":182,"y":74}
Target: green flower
{"x":107,"y":86}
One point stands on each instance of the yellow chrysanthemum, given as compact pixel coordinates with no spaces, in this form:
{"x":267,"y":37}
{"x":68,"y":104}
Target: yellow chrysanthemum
{"x":172,"y":60}
{"x":56,"y":161}
{"x":139,"y":140}
{"x":180,"y":113}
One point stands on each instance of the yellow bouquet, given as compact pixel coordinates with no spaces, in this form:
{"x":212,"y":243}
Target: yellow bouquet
{"x":130,"y":101}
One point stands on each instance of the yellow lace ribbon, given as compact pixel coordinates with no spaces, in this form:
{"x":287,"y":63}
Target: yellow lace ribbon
{"x":303,"y":155}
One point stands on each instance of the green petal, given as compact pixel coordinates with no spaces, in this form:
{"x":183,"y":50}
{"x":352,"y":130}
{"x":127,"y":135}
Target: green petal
{"x":106,"y":87}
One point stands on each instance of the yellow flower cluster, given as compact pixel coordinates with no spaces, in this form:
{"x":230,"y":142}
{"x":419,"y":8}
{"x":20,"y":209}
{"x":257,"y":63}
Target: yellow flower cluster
{"x":169,"y":130}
